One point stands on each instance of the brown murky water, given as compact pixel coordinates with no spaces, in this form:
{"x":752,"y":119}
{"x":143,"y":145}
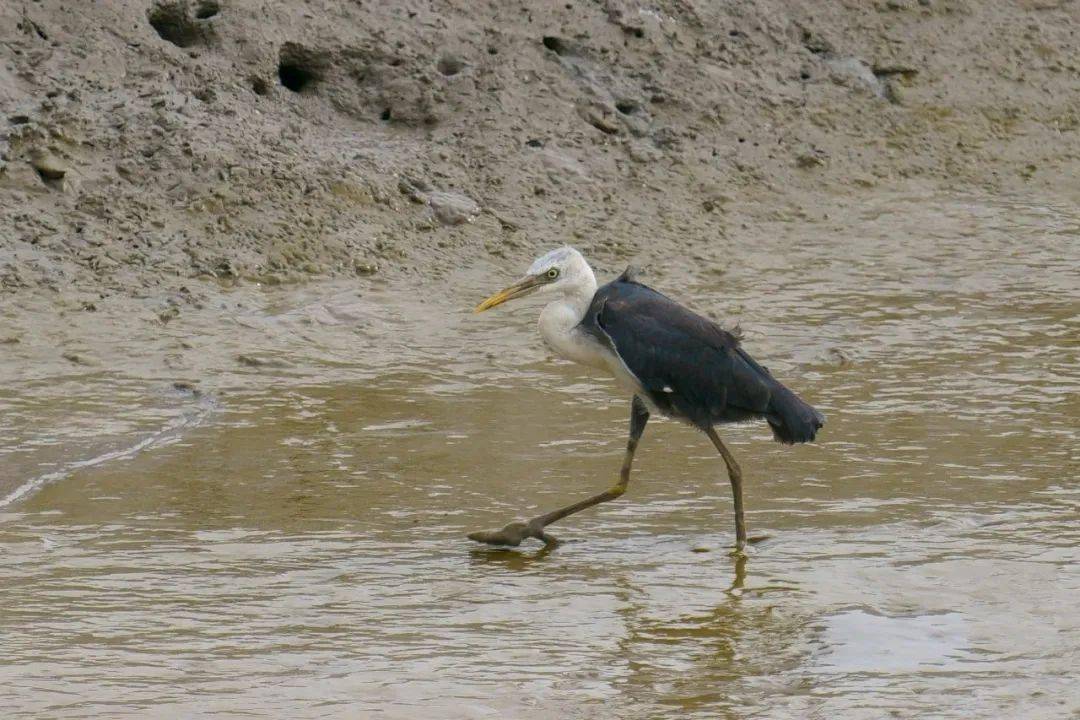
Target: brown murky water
{"x":295,"y":546}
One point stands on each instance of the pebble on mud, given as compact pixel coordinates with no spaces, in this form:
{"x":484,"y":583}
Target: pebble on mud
{"x":255,"y":362}
{"x":75,"y":358}
{"x":853,"y":71}
{"x":452,"y":208}
{"x":838,"y":357}
{"x":600,"y":116}
{"x":47,"y":165}
{"x":184,"y":386}
{"x":449,"y":208}
{"x":810,"y":159}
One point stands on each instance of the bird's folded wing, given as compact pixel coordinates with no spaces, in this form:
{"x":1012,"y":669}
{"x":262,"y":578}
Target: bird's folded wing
{"x":672,"y":350}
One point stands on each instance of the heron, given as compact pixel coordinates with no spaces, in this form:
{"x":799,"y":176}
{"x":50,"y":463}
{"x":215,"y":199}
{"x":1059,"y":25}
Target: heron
{"x":669,"y":359}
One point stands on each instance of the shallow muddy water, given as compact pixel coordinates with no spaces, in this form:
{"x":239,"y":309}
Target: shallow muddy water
{"x":291,"y":543}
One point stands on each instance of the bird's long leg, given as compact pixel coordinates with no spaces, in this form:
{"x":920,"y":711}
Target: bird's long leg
{"x":515,"y":532}
{"x":735,"y":475}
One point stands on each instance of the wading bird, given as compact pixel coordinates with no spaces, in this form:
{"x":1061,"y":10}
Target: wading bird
{"x":670,"y":360}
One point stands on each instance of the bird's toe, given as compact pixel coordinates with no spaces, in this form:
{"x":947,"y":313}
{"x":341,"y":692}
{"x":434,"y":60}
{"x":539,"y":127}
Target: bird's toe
{"x":511,"y":535}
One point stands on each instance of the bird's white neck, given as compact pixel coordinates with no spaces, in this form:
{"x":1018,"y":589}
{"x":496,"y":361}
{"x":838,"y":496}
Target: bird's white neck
{"x":561,"y":316}
{"x":577,"y":296}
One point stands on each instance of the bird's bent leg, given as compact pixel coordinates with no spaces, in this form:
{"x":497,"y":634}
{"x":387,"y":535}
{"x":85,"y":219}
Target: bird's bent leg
{"x":735,"y":475}
{"x":515,"y":532}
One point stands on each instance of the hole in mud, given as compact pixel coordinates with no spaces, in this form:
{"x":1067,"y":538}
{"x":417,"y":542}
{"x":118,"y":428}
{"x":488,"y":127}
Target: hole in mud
{"x":295,"y":77}
{"x":45,"y":178}
{"x":299,"y":69}
{"x":385,"y":115}
{"x":627,"y":107}
{"x":556,"y":45}
{"x":259,"y":86}
{"x":171,"y":22}
{"x":207,"y":9}
{"x":449,"y":65}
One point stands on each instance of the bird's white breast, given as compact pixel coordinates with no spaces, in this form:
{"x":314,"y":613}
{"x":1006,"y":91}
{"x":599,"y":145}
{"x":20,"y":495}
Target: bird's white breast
{"x":559,"y":326}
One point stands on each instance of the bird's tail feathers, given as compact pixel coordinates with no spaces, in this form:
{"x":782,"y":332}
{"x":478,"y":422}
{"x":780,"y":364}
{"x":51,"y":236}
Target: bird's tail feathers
{"x":792,"y":419}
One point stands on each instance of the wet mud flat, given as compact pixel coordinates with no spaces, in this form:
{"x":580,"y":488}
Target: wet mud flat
{"x":276,"y":523}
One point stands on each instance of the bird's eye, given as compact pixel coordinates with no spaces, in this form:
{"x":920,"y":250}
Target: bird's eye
{"x":553,"y":273}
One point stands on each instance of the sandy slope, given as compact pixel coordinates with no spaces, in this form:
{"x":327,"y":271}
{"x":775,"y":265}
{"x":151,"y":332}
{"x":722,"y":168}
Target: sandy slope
{"x":153,"y":152}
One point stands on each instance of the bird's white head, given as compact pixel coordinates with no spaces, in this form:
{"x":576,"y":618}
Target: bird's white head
{"x":561,"y":270}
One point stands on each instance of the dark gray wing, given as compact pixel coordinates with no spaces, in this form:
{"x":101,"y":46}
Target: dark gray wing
{"x":690,"y":367}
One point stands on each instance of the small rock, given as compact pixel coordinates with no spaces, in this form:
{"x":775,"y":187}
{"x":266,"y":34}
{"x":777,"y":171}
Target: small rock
{"x":452,"y":208}
{"x":810,"y":158}
{"x":75,"y":358}
{"x":600,"y":116}
{"x":252,"y":361}
{"x":626,"y":18}
{"x":848,"y":69}
{"x":839,"y":357}
{"x":413,"y":189}
{"x":48,"y":166}
{"x":187,"y":387}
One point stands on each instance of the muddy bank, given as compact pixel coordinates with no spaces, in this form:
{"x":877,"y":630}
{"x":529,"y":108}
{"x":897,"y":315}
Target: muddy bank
{"x":152,"y":145}
{"x":160,"y":162}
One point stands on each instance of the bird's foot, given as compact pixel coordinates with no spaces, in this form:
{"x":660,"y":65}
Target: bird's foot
{"x":513,"y":534}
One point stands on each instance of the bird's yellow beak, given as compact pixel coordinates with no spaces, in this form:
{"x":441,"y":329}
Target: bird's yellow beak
{"x":521,"y":288}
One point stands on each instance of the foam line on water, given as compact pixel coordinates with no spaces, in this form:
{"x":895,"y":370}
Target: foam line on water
{"x":171,"y":429}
